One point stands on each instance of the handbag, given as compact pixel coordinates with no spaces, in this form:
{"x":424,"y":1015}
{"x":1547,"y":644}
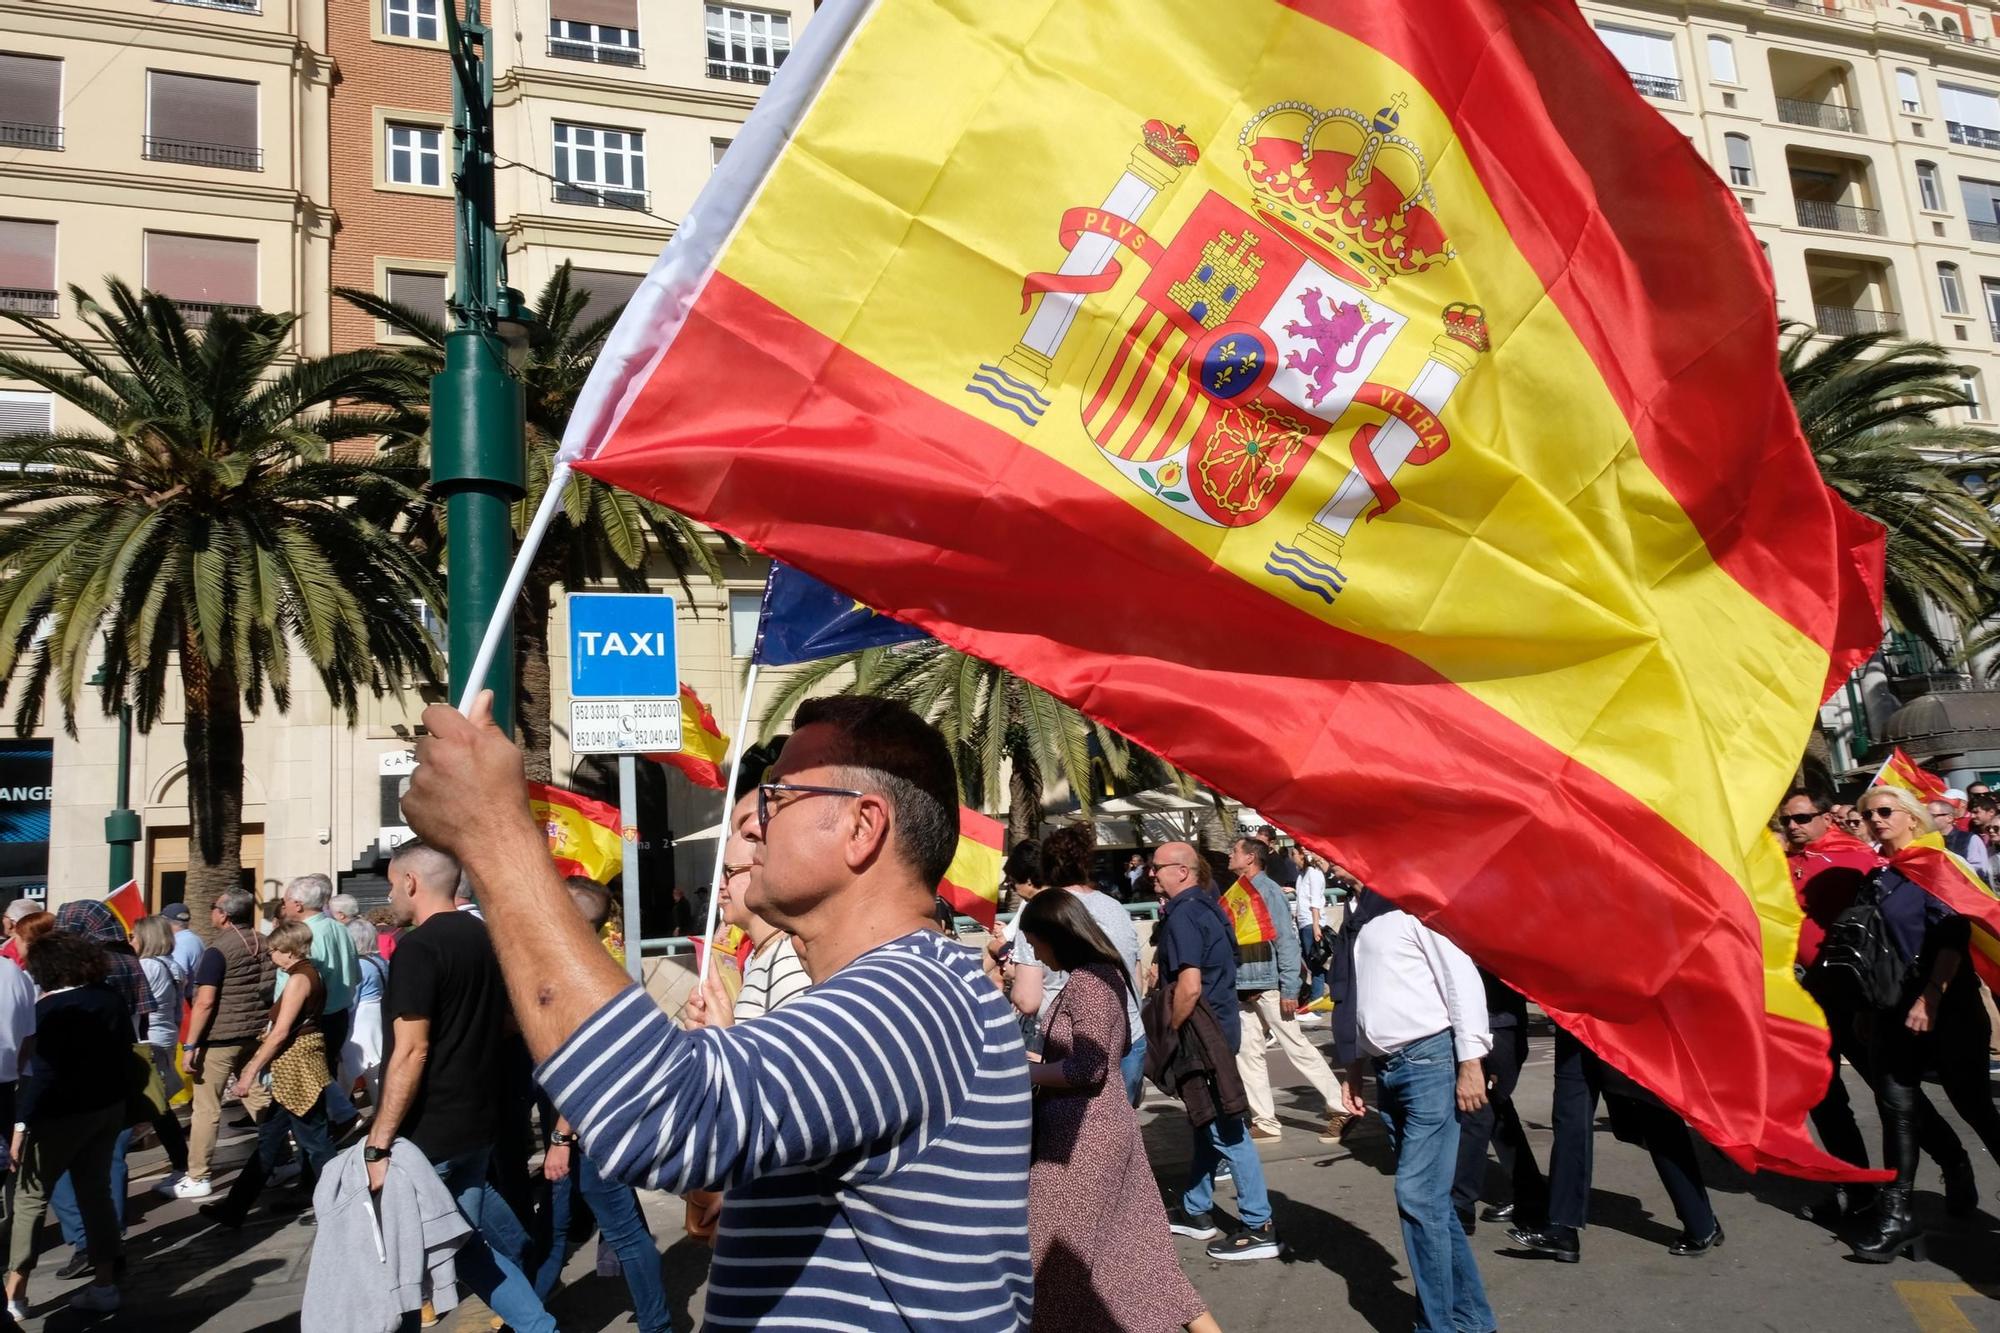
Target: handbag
{"x":146,"y":1094}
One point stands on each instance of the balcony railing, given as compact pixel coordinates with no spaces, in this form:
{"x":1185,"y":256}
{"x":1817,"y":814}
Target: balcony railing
{"x":600,"y":196}
{"x":1654,"y":85}
{"x":1819,"y":115}
{"x":562,"y":48}
{"x":1988,"y":232}
{"x":1841,"y":320}
{"x":1972,"y":136}
{"x":192,"y":154}
{"x":233,"y":6}
{"x":28,"y":301}
{"x":19,"y":134}
{"x":196,"y":314}
{"x":1830,"y":8}
{"x":1840,"y":217}
{"x":737,"y":71}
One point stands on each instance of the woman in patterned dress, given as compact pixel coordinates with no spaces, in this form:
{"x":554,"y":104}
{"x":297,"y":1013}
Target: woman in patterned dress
{"x":294,"y":1051}
{"x":1104,"y":1258}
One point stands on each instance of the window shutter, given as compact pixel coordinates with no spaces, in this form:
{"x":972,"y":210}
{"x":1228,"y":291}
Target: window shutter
{"x":1642,"y":52}
{"x":27,"y":413}
{"x":202,"y":268}
{"x":609,"y":13}
{"x":30,"y":90}
{"x":191,"y":109}
{"x":1739,"y":150}
{"x":28,"y":255}
{"x":1721,"y":60}
{"x":608,"y":291}
{"x":1970,"y":106}
{"x":422,"y":292}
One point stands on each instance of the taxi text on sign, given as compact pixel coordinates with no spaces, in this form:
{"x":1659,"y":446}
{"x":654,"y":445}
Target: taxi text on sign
{"x":624,"y":676}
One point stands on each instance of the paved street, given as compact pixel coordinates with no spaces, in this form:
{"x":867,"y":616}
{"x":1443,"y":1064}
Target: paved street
{"x":1344,"y":1266}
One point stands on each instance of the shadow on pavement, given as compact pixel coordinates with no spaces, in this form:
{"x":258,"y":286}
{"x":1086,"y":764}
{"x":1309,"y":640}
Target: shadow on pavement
{"x":1313,"y":1235}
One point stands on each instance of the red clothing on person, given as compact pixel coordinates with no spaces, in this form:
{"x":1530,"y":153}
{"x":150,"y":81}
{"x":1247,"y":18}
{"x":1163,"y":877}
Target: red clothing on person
{"x":1826,"y":874}
{"x":385,"y":943}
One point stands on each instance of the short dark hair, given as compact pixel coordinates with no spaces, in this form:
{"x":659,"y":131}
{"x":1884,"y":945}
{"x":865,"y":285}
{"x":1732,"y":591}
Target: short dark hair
{"x":1067,"y":854}
{"x":1257,"y":848}
{"x":1024,"y":864}
{"x":1059,"y":920}
{"x":1984,"y":801}
{"x":1820,"y":802}
{"x":887,"y":747}
{"x":63,"y":958}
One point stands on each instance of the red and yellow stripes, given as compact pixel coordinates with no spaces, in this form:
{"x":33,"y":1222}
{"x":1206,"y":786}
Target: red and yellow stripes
{"x":1603,"y":621}
{"x":704,"y":754}
{"x":972,"y":885}
{"x":583,"y":833}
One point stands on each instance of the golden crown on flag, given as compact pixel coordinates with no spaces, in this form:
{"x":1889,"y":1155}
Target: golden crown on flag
{"x":1170,"y":143}
{"x":1351,"y":187}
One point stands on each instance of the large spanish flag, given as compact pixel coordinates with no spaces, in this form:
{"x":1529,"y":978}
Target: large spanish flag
{"x":583,"y":833}
{"x":1346,"y":401}
{"x":972,"y":884}
{"x":1902,"y":771}
{"x":1932,"y":867}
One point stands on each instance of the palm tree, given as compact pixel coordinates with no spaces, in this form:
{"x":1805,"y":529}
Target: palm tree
{"x":987,"y":715}
{"x":600,"y":533}
{"x":200,"y":526}
{"x":1870,"y":405}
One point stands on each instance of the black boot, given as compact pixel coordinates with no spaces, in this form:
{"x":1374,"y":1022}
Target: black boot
{"x":1891,"y":1231}
{"x":1961,"y":1188}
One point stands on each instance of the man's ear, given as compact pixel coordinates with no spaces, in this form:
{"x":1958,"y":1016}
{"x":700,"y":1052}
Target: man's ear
{"x":869,"y":831}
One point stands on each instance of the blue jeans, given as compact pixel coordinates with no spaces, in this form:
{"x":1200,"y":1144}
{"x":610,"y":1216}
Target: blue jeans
{"x":1229,"y":1137}
{"x":616,"y":1207}
{"x":1419,"y":1108}
{"x":494,"y":1257}
{"x":62,"y":1199}
{"x":1319,"y":986}
{"x":1133,"y":1067}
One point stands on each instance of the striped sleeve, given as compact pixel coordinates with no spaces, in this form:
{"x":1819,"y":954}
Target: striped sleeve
{"x":874,"y":1063}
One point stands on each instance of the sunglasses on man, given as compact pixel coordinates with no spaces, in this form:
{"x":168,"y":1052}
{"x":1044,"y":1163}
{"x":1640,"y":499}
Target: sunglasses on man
{"x":1797,"y":821}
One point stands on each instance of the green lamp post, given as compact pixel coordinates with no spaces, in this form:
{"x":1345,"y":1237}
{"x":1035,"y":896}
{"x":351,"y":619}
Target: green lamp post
{"x":121,"y":826}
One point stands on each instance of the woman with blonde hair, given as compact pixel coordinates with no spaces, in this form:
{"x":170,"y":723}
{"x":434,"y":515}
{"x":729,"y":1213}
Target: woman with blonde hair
{"x":153,"y":938}
{"x":1935,"y":1024}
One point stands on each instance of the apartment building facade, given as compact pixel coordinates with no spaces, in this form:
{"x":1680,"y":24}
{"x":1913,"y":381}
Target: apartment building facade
{"x":259,"y":153}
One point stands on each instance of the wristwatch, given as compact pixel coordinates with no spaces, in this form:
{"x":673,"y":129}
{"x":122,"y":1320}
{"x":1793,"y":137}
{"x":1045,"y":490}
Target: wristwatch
{"x":558,"y":1139}
{"x":371,"y":1153}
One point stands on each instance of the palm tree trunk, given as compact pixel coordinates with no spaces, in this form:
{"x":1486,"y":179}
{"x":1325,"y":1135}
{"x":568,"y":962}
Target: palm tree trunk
{"x":213,"y":737}
{"x":1024,"y":799}
{"x":531,"y":658}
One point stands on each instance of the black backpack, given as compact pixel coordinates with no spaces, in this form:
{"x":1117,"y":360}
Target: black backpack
{"x":1859,"y":965}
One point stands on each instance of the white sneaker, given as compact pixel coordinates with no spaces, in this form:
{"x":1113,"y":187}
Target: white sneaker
{"x":97,"y":1298}
{"x":167,"y":1184}
{"x":1306,"y":1020}
{"x":1271,"y":1041}
{"x":189,"y":1188}
{"x":17,"y":1311}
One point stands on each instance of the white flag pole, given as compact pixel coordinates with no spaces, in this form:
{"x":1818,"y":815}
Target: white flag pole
{"x":510,"y":592}
{"x":737,"y":745}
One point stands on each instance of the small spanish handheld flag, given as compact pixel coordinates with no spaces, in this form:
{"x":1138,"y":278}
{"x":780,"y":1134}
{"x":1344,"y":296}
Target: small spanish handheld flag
{"x":704,"y":752}
{"x":1957,"y":885}
{"x":583,"y":834}
{"x":127,"y":904}
{"x":1246,"y":908}
{"x":972,"y":885}
{"x":1903,"y":771}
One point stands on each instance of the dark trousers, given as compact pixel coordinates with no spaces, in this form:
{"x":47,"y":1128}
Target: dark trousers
{"x":1499,"y":1124}
{"x":1579,"y":1078}
{"x":315,"y":1142}
{"x":334,"y":1029}
{"x":1833,"y":1117}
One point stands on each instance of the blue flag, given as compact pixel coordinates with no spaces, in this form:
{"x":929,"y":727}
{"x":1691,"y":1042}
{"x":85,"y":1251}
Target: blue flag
{"x":804,"y":620}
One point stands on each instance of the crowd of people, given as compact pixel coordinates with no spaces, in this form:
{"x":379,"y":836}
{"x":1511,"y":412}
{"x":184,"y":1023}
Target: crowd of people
{"x":872,"y":1124}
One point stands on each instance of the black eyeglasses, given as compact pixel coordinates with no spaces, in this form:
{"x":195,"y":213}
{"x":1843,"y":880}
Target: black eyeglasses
{"x":1796,"y":820}
{"x":765,"y":790}
{"x":1157,"y":866}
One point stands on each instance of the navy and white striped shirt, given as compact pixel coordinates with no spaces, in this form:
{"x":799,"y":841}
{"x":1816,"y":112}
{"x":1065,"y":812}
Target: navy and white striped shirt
{"x":872,"y":1137}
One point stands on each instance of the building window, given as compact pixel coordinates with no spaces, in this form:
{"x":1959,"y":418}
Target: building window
{"x":1907,"y":91}
{"x":1982,"y":208}
{"x":32,"y":412}
{"x":1950,"y":290}
{"x":1950,"y":26}
{"x":608,"y":291}
{"x":1930,"y":192}
{"x":1647,"y":56}
{"x":202,"y":122}
{"x":746,"y":45}
{"x":1971,"y":116}
{"x":1721,"y":60}
{"x":414,"y":155}
{"x":419,"y":20}
{"x":423,"y":292}
{"x":606,"y":31}
{"x":1968,"y":384}
{"x":28,"y":267}
{"x":600,"y":167}
{"x":30,"y":102}
{"x":716,"y":148}
{"x":1742,"y":168}
{"x":745,"y":609}
{"x":202,"y":274}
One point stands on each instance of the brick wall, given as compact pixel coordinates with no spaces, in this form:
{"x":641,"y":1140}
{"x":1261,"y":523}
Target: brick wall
{"x":372,"y":222}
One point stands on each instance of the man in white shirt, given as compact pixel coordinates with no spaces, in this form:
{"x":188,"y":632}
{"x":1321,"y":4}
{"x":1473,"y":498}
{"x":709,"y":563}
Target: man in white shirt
{"x":1309,"y":914}
{"x":1410,"y":1006}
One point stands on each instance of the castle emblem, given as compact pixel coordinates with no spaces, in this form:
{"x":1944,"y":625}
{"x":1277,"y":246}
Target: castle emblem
{"x":1251,"y":343}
